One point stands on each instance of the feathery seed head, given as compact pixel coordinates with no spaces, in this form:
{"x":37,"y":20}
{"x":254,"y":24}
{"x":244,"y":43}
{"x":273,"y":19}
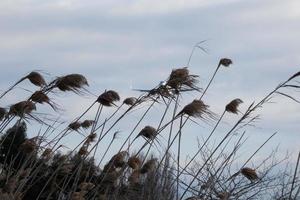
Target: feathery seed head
{"x":232,"y":107}
{"x":134,"y":162}
{"x":108,"y":98}
{"x":149,"y":166}
{"x":39,"y":97}
{"x":71,"y":82}
{"x":181,"y":78}
{"x":75,"y":125}
{"x":249,"y":173}
{"x":195,"y":109}
{"x":87,"y":123}
{"x":225,"y":62}
{"x":22,"y":108}
{"x":148,"y":132}
{"x":36,"y":79}
{"x":130,"y":101}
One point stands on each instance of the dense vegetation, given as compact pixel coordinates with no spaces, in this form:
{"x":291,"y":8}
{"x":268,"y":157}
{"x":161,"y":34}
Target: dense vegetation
{"x":35,"y":168}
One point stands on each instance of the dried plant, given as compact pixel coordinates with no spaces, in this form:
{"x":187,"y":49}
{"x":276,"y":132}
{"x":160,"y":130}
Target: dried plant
{"x":22,"y":108}
{"x":249,"y":173}
{"x":232,"y":107}
{"x":35,"y":168}
{"x":108,"y":98}
{"x":130,"y":101}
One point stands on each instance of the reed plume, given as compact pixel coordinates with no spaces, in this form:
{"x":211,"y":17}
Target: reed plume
{"x":108,"y":98}
{"x":249,"y":173}
{"x":71,"y":82}
{"x":130,"y":101}
{"x":232,"y":107}
{"x":22,"y":108}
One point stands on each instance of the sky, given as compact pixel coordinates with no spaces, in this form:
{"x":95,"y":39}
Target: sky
{"x":123,"y":45}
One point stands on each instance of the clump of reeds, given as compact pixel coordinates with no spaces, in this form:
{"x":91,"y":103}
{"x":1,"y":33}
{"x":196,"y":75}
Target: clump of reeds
{"x":87,"y":123}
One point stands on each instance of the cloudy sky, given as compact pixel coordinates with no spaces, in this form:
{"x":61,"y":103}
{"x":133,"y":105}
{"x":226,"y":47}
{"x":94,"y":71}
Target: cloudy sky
{"x":135,"y":44}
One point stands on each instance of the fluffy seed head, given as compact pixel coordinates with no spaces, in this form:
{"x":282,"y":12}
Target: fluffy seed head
{"x":195,"y":109}
{"x":36,"y":79}
{"x":3,"y":113}
{"x":87,"y":123}
{"x":134,"y":162}
{"x":91,"y":137}
{"x":130,"y":101}
{"x":108,"y":98}
{"x":71,"y":82}
{"x":181,"y":77}
{"x":232,"y":107}
{"x":225,"y":62}
{"x":134,"y":177}
{"x":83,"y":150}
{"x":75,"y":125}
{"x":39,"y":97}
{"x":149,"y":166}
{"x":249,"y":173}
{"x":22,"y":108}
{"x":148,"y":132}
{"x":118,"y":160}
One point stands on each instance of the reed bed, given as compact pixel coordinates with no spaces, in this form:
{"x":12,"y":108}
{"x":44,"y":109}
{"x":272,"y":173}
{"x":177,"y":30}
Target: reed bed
{"x":37,"y":168}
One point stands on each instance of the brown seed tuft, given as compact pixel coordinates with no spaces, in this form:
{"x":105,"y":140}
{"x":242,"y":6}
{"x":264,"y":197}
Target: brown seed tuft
{"x":249,"y":173}
{"x":83,"y":150}
{"x":75,"y":125}
{"x":232,"y":107}
{"x":108,"y":98}
{"x":22,"y":108}
{"x":39,"y":97}
{"x":3,"y":113}
{"x":28,"y":146}
{"x":195,"y":109}
{"x":134,"y":177}
{"x":36,"y":79}
{"x":91,"y":137}
{"x":134,"y":162}
{"x":181,"y":78}
{"x":87,"y":123}
{"x":130,"y":101}
{"x":148,"y":132}
{"x":71,"y":82}
{"x":118,"y":160}
{"x":225,"y":62}
{"x":149,"y":166}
